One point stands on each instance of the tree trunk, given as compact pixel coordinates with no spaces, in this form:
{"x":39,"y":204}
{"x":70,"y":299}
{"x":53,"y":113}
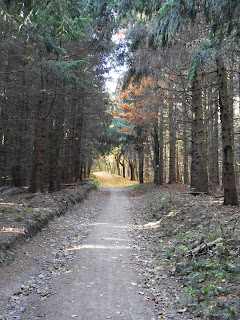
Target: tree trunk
{"x":141,"y":163}
{"x":231,"y":100}
{"x":116,"y":157}
{"x":165,"y":162}
{"x":53,"y":157}
{"x":132,"y":171}
{"x":229,"y":184}
{"x":80,"y":173}
{"x":185,"y":149}
{"x":53,"y":144}
{"x":140,"y":155}
{"x":161,"y":152}
{"x":123,"y":168}
{"x":60,"y":148}
{"x":213,"y":165}
{"x":37,"y":184}
{"x":89,"y":166}
{"x":156,"y":152}
{"x":172,"y":146}
{"x":79,"y":158}
{"x":178,"y":174}
{"x":71,"y":144}
{"x":238,"y":169}
{"x":199,"y":177}
{"x":85,"y":170}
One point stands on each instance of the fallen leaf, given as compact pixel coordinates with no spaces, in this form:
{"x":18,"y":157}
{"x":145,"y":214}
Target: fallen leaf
{"x":182,"y":310}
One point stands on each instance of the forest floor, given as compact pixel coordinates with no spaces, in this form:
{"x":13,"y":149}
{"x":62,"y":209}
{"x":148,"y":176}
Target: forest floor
{"x":22,"y":214}
{"x":193,"y":243}
{"x":139,"y":253}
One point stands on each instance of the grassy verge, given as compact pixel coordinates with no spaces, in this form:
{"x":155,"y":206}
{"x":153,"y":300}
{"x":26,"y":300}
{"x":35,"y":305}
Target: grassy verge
{"x":94,"y":181}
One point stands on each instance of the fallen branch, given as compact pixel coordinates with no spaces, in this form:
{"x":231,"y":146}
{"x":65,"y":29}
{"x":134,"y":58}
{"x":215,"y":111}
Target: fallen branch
{"x":203,"y":247}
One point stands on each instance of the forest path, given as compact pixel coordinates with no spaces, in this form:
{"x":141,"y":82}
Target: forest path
{"x":101,"y":285}
{"x":101,"y":281}
{"x":106,"y":179}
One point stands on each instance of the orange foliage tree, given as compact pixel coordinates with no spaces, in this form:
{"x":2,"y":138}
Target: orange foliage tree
{"x":139,"y":104}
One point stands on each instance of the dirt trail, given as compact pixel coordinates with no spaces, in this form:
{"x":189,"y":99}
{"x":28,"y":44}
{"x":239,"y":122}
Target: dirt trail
{"x":100,"y":282}
{"x":106,"y":180}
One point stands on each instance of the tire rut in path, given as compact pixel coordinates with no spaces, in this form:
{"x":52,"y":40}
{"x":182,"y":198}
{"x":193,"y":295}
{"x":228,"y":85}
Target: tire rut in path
{"x":102,"y":283}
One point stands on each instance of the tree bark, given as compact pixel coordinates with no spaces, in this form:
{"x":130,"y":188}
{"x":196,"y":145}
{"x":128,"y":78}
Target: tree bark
{"x":185,"y":150}
{"x":116,"y":157}
{"x":238,"y":167}
{"x":156,"y":152}
{"x":178,"y":174}
{"x":123,"y":168}
{"x":199,"y":176}
{"x":161,"y":152}
{"x":213,"y":163}
{"x":229,"y":184}
{"x":172,"y":146}
{"x":132,"y":170}
{"x":53,"y":157}
{"x":140,"y":155}
{"x":37,"y":184}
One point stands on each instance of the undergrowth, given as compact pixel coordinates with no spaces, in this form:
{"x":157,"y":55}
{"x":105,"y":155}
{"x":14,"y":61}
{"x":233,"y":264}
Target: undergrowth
{"x":163,"y":205}
{"x":6,"y":257}
{"x":201,"y":249}
{"x":13,"y":214}
{"x":133,"y":187}
{"x":211,"y":277}
{"x":94,"y":181}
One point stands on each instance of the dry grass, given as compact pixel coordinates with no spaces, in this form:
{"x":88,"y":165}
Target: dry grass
{"x":112,"y":180}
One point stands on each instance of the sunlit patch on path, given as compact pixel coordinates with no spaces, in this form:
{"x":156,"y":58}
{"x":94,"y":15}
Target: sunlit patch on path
{"x":112,"y":180}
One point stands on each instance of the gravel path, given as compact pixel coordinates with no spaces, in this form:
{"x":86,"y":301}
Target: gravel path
{"x":79,"y":267}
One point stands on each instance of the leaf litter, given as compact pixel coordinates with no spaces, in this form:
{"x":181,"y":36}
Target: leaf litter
{"x":189,"y":248}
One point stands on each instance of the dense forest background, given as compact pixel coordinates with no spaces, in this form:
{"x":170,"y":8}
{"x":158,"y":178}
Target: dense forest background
{"x":53,"y":101}
{"x":175,"y":115}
